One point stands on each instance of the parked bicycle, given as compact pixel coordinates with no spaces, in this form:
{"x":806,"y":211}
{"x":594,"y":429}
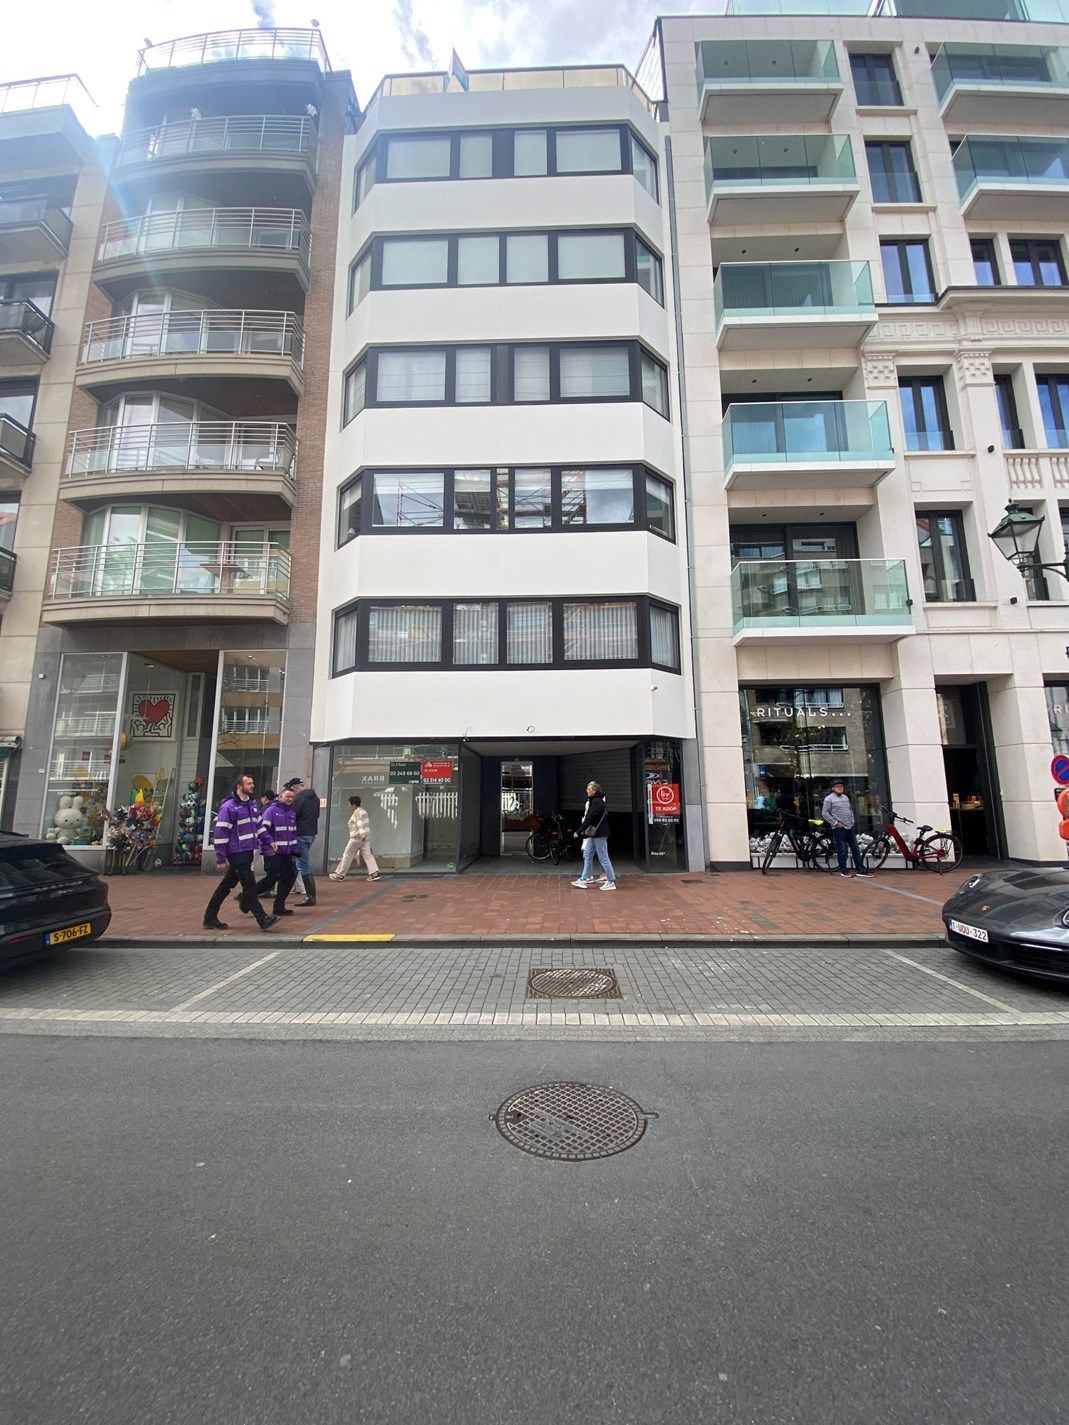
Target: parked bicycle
{"x":550,"y":840}
{"x":937,"y":850}
{"x":809,"y":840}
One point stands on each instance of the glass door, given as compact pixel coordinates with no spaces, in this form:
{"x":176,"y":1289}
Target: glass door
{"x":517,"y":806}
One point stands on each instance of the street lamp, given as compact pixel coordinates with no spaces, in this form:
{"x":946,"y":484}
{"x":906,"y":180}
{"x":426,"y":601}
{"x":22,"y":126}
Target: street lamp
{"x":1016,"y":537}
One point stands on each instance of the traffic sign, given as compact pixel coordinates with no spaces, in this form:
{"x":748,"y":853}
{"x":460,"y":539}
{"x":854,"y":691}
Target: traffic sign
{"x":1059,"y":769}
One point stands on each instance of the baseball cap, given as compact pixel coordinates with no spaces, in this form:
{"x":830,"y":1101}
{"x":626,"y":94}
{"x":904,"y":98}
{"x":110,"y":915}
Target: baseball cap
{"x":293,"y":782}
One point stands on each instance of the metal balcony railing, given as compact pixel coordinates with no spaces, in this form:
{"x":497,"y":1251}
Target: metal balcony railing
{"x":272,"y":135}
{"x":222,"y":45}
{"x":212,"y":229}
{"x":241,"y":447}
{"x":16,"y":442}
{"x":1054,"y":11}
{"x":36,"y":212}
{"x":806,"y":432}
{"x":160,"y":568}
{"x":216,"y":331}
{"x":775,"y":290}
{"x":94,"y":724}
{"x":24,"y":318}
{"x":7,"y":571}
{"x":819,"y":593}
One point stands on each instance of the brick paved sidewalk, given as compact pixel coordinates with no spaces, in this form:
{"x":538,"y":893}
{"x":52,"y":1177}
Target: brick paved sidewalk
{"x":477,"y":905}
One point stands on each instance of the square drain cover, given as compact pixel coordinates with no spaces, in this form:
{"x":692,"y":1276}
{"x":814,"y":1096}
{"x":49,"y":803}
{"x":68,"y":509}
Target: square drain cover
{"x":572,"y":983}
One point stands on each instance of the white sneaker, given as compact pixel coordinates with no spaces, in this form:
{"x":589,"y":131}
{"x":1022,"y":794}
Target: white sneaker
{"x":581,"y":885}
{"x":335,"y":877}
{"x":600,"y":880}
{"x":609,"y":886}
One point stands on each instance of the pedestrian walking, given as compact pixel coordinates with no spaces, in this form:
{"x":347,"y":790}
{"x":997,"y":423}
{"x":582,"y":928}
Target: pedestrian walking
{"x":306,"y":810}
{"x":358,"y":845}
{"x":237,"y":834}
{"x":265,"y":799}
{"x":280,"y":857}
{"x":595,"y":840}
{"x":839,"y":816}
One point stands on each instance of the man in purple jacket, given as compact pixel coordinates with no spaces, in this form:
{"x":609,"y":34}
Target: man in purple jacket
{"x":280,"y":861}
{"x":237,"y":833}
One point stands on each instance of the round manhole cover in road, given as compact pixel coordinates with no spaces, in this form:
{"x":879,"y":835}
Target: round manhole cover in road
{"x":572,"y":983}
{"x":571,"y":1123}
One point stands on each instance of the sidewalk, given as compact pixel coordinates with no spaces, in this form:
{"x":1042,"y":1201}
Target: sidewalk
{"x":734,"y":907}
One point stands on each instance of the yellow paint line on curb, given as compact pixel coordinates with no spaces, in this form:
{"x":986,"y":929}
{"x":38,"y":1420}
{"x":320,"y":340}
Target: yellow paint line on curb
{"x":343,"y":939}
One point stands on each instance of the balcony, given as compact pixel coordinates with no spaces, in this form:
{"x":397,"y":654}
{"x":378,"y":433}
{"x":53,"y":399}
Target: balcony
{"x":789,"y":444}
{"x":1016,"y":179}
{"x":236,"y":470}
{"x":164,"y":581}
{"x":767,"y":81}
{"x":241,"y":143}
{"x":33,"y":230}
{"x":236,"y":46}
{"x":202,"y":240}
{"x":981,"y":86}
{"x":780,"y":179}
{"x":25,"y":334}
{"x":46,"y":124}
{"x":781,"y":600}
{"x":249,"y":346}
{"x":7,"y":573}
{"x":797,"y":304}
{"x":16,"y":453}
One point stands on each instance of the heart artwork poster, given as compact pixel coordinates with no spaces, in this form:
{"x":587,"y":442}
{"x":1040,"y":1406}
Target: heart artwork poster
{"x":152,"y":715}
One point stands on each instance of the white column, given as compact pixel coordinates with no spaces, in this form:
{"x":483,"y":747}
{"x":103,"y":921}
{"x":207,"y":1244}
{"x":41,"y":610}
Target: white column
{"x":1020,"y":732}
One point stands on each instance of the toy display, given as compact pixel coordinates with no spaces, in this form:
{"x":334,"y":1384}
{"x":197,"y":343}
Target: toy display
{"x":189,"y":833}
{"x":71,"y":825}
{"x":131,"y":836}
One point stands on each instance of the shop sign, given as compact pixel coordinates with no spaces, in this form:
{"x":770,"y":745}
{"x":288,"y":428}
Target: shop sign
{"x":787,"y":712}
{"x":404,"y":774}
{"x":663,"y":803}
{"x":436,"y":773}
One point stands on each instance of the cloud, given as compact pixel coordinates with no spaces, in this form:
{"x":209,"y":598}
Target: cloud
{"x":414,"y":41}
{"x":264,"y":10}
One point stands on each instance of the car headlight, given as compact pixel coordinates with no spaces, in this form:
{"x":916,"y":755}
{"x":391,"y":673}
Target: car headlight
{"x":970,"y":884}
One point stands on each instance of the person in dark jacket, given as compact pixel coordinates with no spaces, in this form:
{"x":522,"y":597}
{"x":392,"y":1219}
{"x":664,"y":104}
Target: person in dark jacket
{"x":306,"y":810}
{"x":593,"y":830}
{"x":280,"y":860}
{"x":237,"y":835}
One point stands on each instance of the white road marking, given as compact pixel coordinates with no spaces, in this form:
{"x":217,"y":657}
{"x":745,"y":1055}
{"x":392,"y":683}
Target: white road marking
{"x":965,"y":989}
{"x":238,"y":975}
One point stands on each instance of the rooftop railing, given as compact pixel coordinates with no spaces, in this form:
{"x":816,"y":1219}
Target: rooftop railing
{"x":820,"y":593}
{"x":273,"y":135}
{"x":1000,"y":65}
{"x":593,"y":76}
{"x":192,"y":229}
{"x":806,"y":433}
{"x":36,"y":212}
{"x":1011,"y":162}
{"x":786,"y":62}
{"x":216,"y":331}
{"x":1055,"y":11}
{"x":778,"y":290}
{"x":16,"y":442}
{"x":161,"y":568}
{"x":25,"y":319}
{"x":51,"y":93}
{"x":236,"y":447}
{"x":222,"y":45}
{"x":778,"y":161}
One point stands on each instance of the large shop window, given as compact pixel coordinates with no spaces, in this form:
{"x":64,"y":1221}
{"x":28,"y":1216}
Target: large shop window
{"x":411,"y":793}
{"x":483,"y":501}
{"x":632,"y":631}
{"x":798,"y":741}
{"x":504,"y":375}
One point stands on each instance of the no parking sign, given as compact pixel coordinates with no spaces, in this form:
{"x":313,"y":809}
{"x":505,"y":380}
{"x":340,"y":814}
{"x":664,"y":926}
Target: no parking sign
{"x":1059,"y":769}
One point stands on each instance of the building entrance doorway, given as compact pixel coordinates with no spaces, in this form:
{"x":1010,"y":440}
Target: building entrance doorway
{"x":517,"y":806}
{"x":968,"y":759}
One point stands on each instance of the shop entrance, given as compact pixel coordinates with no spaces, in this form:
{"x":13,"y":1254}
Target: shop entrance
{"x":964,"y":726}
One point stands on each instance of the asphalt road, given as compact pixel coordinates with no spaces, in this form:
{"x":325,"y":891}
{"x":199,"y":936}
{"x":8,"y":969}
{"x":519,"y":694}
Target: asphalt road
{"x":313,"y":1232}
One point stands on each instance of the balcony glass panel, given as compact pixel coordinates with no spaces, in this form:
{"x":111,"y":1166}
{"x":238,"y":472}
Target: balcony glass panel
{"x":7,"y":571}
{"x":819,"y":593}
{"x":779,"y":160}
{"x":999,"y":65}
{"x":806,"y":432}
{"x":1055,"y":11}
{"x":785,"y":289}
{"x":36,"y":212}
{"x":252,"y":447}
{"x":16,"y":442}
{"x":27,"y":320}
{"x":194,"y":333}
{"x":274,"y":135}
{"x":190,"y":229}
{"x":164,"y":567}
{"x":1011,"y":162}
{"x":220,"y":45}
{"x":786,"y":62}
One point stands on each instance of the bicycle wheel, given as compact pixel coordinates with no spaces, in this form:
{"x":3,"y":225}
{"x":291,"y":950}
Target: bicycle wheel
{"x":537,"y":846}
{"x":823,"y":852}
{"x":939,"y":852}
{"x":770,"y":852}
{"x":875,"y":855}
{"x":555,"y":850}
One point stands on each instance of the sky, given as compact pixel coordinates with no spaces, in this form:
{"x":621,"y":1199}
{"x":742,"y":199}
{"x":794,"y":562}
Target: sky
{"x":371,"y":38}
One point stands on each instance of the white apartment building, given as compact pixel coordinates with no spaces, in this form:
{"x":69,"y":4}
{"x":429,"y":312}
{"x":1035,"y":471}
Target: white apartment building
{"x":503,"y":609}
{"x":871,"y":204}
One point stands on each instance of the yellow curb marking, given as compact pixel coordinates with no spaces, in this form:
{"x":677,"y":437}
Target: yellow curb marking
{"x":344,"y":939}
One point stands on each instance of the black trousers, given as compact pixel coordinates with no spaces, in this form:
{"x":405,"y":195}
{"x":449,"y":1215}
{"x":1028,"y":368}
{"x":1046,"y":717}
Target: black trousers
{"x":238,"y":873}
{"x":281,"y":874}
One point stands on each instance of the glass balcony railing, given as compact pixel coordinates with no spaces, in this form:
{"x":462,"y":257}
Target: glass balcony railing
{"x":1053,"y":11}
{"x":240,"y":447}
{"x":779,"y":290}
{"x":162,"y":568}
{"x":222,"y":45}
{"x":236,"y":135}
{"x":778,"y":161}
{"x":790,"y":63}
{"x":58,"y":90}
{"x":26,"y":319}
{"x":997,"y":65}
{"x":16,"y":442}
{"x":36,"y":213}
{"x":807,"y":433}
{"x":7,"y":572}
{"x":820,"y":593}
{"x":215,"y":332}
{"x":1011,"y":163}
{"x":206,"y":229}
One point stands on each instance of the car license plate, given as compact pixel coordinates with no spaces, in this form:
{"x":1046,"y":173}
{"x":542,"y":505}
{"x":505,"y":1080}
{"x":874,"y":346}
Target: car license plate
{"x":75,"y":932}
{"x":972,"y":931}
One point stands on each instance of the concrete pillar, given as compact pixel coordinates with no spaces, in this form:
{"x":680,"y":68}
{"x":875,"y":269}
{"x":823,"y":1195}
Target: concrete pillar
{"x":1020,"y":730}
{"x":914,"y":743}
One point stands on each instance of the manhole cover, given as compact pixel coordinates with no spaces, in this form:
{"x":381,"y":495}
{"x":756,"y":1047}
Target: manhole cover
{"x":571,"y":1123}
{"x":572,"y":984}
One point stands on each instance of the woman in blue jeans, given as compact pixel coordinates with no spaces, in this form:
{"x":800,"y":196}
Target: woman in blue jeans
{"x":592,"y":830}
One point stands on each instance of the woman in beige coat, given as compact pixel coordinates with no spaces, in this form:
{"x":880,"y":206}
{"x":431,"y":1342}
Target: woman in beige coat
{"x":359,"y":844}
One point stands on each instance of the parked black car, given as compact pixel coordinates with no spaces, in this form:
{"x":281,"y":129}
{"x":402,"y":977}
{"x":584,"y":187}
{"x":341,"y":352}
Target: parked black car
{"x":47,"y":899}
{"x":1018,"y":920}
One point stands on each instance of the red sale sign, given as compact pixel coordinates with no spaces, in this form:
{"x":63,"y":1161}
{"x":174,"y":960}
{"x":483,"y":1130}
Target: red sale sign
{"x":436,"y":773}
{"x":664,"y":804}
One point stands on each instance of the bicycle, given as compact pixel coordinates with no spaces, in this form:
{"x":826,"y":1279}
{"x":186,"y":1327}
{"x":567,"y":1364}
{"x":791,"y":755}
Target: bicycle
{"x":937,"y":850}
{"x":810,"y":842}
{"x":549,"y":840}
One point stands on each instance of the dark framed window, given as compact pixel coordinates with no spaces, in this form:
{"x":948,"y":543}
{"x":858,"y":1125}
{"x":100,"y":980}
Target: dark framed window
{"x":1006,"y":400}
{"x":924,"y":412}
{"x":907,"y":270}
{"x":1037,"y":262}
{"x":891,"y":171}
{"x":875,"y":81}
{"x":498,"y":259}
{"x":461,"y":501}
{"x":597,"y":631}
{"x":36,"y":287}
{"x":944,"y":560}
{"x":1054,"y":403}
{"x":985,"y":262}
{"x":535,"y":152}
{"x":558,"y":372}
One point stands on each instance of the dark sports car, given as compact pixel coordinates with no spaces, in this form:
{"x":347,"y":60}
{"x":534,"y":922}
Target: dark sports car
{"x":47,"y":900}
{"x":1018,"y":920}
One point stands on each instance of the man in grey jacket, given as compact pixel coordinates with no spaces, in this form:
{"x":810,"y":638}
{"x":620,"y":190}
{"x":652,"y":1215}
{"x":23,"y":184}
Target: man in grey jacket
{"x":839,"y":815}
